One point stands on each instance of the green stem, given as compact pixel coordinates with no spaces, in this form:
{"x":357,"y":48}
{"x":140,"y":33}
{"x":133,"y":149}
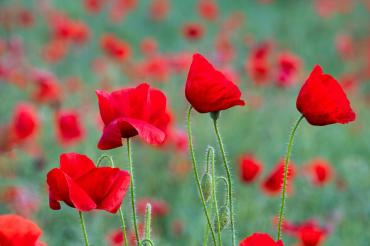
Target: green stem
{"x":132,"y":190}
{"x":197,"y":177}
{"x":211,"y":152}
{"x":283,"y":194}
{"x":147,"y":241}
{"x":83,"y":228}
{"x":123,"y":227}
{"x":228,"y":175}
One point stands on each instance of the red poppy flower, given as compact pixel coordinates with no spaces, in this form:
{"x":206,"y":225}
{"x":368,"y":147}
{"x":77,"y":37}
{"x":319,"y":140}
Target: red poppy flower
{"x":93,"y":6}
{"x":249,"y":168}
{"x":260,"y":239}
{"x":208,"y":9}
{"x":258,"y":66}
{"x":115,"y":238}
{"x":288,"y":65}
{"x":159,"y":9}
{"x":55,"y":50}
{"x":159,"y":207}
{"x":80,"y":32}
{"x":82,"y":185}
{"x":46,"y":87}
{"x":25,"y":122}
{"x":69,"y":128}
{"x":148,"y":46}
{"x":320,"y":171}
{"x":344,"y":45}
{"x":208,"y":90}
{"x":310,"y":234}
{"x":18,"y":231}
{"x":273,"y":183}
{"x":130,"y":112}
{"x":322,"y":100}
{"x":193,"y":31}
{"x":115,"y":47}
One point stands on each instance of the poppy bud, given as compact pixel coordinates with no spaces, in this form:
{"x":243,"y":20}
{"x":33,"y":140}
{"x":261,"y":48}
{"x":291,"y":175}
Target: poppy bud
{"x":224,"y":215}
{"x":206,"y":184}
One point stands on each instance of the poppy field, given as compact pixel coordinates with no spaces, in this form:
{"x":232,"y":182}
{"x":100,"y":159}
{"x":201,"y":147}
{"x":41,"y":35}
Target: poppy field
{"x":198,"y":122}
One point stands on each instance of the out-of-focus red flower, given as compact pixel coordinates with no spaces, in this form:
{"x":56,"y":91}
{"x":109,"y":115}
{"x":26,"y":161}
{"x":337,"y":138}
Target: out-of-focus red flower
{"x":344,"y":46}
{"x":288,"y":68}
{"x":21,"y":200}
{"x":180,"y":62}
{"x":25,"y":122}
{"x":274,"y":181}
{"x":25,"y":18}
{"x":349,"y":82}
{"x":132,"y":111}
{"x":208,"y":9}
{"x":320,"y":171}
{"x":16,"y":231}
{"x":260,"y":239}
{"x":179,"y":139}
{"x":208,"y":90}
{"x":93,"y":6}
{"x":322,"y":100}
{"x":80,"y":32}
{"x":159,"y":9}
{"x":224,"y":47}
{"x":155,"y":68}
{"x":159,"y":207}
{"x":249,"y":168}
{"x":309,"y":233}
{"x":68,"y":127}
{"x":55,"y":50}
{"x":115,"y":238}
{"x":148,"y":46}
{"x":177,"y":227}
{"x":193,"y":31}
{"x":46,"y":87}
{"x":81,"y":185}
{"x":258,"y":66}
{"x":115,"y":47}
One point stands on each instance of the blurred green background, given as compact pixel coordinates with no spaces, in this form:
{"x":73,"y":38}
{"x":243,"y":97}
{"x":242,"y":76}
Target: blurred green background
{"x":263,"y":130}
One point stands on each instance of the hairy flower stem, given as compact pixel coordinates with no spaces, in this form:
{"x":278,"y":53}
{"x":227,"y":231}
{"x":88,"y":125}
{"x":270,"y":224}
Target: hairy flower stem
{"x":83,"y":228}
{"x":132,"y":190}
{"x":148,"y":221}
{"x":228,"y":176}
{"x":123,"y":224}
{"x":211,"y":158}
{"x":197,"y":177}
{"x":283,"y":194}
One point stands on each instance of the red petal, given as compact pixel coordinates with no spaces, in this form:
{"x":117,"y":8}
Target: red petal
{"x":106,"y":106}
{"x":75,"y":165}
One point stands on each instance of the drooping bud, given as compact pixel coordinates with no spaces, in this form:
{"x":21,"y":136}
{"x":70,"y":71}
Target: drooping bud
{"x":224,"y":215}
{"x":206,"y":185}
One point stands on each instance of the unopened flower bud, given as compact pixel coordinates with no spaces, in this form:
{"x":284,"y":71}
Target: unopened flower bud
{"x":206,"y":185}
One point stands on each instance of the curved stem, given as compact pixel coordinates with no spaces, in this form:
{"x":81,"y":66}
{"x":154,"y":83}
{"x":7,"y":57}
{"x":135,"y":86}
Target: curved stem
{"x":197,"y":177}
{"x":228,"y":175}
{"x":147,"y":241}
{"x":212,"y":152}
{"x":123,"y":224}
{"x":287,"y":157}
{"x":227,"y":188}
{"x":83,"y":228}
{"x":105,"y":156}
{"x":132,"y":190}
